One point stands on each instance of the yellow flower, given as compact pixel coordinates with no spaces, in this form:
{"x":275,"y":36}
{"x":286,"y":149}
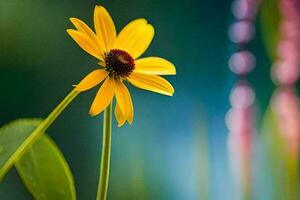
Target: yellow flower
{"x":118,"y":62}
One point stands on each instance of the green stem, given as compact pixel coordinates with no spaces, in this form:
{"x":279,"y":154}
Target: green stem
{"x":39,"y":130}
{"x":105,"y":157}
{"x":54,"y":114}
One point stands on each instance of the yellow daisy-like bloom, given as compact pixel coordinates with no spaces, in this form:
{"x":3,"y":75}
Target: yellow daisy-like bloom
{"x":118,"y":62}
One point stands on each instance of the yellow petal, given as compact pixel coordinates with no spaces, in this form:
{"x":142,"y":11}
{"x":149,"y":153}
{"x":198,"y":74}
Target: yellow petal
{"x":124,"y":100}
{"x":85,"y":43}
{"x":154,"y":66}
{"x":103,"y":97}
{"x":135,"y":37}
{"x":105,"y":27}
{"x":152,"y":83}
{"x":91,"y":80}
{"x":82,"y":27}
{"x":119,"y":116}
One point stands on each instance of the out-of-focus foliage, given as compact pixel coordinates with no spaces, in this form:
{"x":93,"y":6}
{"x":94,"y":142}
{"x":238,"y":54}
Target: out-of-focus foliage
{"x":269,"y":20}
{"x":280,"y":167}
{"x":273,"y":145}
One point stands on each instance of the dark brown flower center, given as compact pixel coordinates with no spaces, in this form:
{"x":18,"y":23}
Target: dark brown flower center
{"x":119,"y":63}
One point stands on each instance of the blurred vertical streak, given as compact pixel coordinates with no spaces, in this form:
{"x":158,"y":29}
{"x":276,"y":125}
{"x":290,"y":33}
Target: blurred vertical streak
{"x":202,"y":161}
{"x":138,"y":178}
{"x":286,"y":107}
{"x":240,"y":118}
{"x":240,"y":122}
{"x":285,"y":102}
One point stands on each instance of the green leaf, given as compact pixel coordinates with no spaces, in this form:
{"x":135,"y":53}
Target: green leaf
{"x":45,"y":172}
{"x":12,"y":136}
{"x":269,"y":20}
{"x":42,"y":167}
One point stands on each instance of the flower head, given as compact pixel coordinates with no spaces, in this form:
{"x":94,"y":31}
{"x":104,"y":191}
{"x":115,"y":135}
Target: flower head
{"x":118,"y":62}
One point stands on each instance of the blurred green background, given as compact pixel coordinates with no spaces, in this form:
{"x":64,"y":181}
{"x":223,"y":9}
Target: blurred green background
{"x":176,"y":147}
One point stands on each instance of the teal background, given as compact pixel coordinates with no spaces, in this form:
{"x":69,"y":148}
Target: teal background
{"x":176,"y":147}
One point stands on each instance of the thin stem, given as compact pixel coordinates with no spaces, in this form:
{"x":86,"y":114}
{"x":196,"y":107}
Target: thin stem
{"x":54,"y":114}
{"x":39,"y":130}
{"x":105,"y":157}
